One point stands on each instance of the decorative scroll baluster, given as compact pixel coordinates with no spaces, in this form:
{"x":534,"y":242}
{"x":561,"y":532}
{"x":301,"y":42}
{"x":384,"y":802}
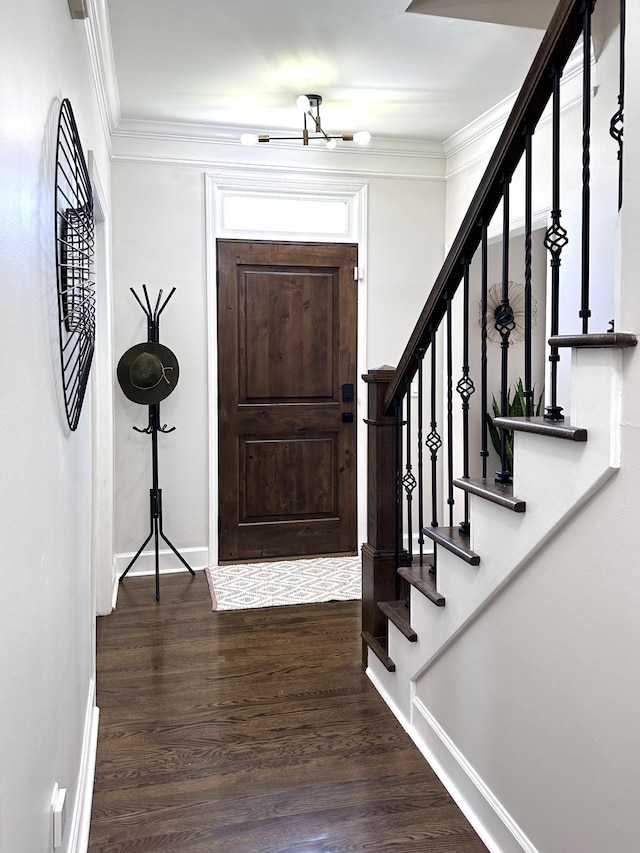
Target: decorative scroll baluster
{"x":398,"y":490}
{"x":528,"y":228}
{"x":585,"y":311}
{"x":484,"y":453}
{"x":450,"y":498}
{"x":555,"y":240}
{"x":465,"y":388}
{"x":434,"y":442}
{"x":505,"y":324}
{"x":420,"y":457}
{"x":616,"y":128}
{"x":409,"y":481}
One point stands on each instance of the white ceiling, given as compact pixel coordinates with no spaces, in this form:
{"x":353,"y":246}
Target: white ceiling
{"x":241,"y":64}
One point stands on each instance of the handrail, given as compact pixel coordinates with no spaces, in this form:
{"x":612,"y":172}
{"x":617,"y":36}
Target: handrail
{"x":555,"y":49}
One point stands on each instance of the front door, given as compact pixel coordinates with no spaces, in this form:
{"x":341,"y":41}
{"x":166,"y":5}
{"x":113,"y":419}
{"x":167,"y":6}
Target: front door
{"x":287,"y":322}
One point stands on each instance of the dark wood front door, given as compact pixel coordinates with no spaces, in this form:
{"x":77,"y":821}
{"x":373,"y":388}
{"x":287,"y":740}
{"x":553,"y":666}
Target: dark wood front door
{"x":287,"y":322}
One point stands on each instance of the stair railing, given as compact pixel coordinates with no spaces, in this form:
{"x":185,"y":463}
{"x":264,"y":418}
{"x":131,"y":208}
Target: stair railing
{"x":421,"y":389}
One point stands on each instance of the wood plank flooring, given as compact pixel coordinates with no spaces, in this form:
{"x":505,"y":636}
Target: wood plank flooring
{"x":252,"y":731}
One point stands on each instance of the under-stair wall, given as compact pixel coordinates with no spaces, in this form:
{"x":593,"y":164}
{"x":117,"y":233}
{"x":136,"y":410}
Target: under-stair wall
{"x":531,"y":716}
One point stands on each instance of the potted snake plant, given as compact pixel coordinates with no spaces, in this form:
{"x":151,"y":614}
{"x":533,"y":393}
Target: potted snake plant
{"x":516,"y":408}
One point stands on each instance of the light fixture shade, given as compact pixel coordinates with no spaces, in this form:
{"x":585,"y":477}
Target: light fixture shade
{"x":249,"y":138}
{"x":331,"y":143}
{"x":362,"y":137}
{"x":303,"y":103}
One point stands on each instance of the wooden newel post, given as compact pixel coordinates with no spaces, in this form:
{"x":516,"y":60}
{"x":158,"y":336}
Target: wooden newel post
{"x":378,"y":552}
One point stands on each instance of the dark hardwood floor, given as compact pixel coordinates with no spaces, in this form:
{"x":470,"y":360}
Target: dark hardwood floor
{"x":252,"y":732}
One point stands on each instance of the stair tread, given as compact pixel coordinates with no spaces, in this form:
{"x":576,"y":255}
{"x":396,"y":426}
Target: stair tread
{"x":455,"y":541}
{"x":498,"y":493}
{"x":379,"y":646}
{"x":603,"y":339}
{"x":398,"y":613}
{"x":421,"y":578}
{"x":553,"y":429}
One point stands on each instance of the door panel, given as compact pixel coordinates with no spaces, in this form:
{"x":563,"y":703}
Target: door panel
{"x":287,"y":325}
{"x":287,"y":320}
{"x":276,"y":485}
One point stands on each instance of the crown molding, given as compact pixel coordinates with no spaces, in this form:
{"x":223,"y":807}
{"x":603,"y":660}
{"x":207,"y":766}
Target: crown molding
{"x":474,"y":132}
{"x":230,"y":135}
{"x":493,"y":120}
{"x":229,"y":168}
{"x":101,"y":53}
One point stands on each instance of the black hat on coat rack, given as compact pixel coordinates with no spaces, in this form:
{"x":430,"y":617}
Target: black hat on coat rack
{"x":148,"y":372}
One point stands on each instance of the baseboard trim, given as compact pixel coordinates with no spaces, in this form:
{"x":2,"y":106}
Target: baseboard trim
{"x":116,"y":584}
{"x":387,"y":698}
{"x":197,"y":558}
{"x":486,"y":814}
{"x":81,"y":819}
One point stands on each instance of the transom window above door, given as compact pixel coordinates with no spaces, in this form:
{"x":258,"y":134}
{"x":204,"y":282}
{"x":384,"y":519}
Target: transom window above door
{"x":302,"y":214}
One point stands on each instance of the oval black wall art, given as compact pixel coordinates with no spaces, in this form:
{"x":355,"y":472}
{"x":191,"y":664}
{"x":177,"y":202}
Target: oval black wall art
{"x":74,"y":235}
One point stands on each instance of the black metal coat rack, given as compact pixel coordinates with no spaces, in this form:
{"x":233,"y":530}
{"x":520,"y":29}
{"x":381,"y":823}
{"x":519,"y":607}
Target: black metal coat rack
{"x":153,"y":428}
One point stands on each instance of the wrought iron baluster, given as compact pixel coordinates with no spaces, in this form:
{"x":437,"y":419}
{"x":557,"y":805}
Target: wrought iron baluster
{"x":434,"y":442}
{"x":484,"y":453}
{"x":528,"y":228}
{"x":585,"y":311}
{"x":398,"y":489}
{"x":421,"y":354}
{"x":555,"y":240}
{"x":505,"y":324}
{"x":450,"y":498}
{"x":465,"y":388}
{"x":409,"y":481}
{"x":616,"y":128}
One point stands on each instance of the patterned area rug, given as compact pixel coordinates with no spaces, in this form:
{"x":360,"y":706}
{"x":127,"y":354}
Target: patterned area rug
{"x":247,"y":585}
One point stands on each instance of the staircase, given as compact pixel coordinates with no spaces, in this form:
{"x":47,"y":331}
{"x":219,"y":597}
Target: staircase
{"x":428,"y":582}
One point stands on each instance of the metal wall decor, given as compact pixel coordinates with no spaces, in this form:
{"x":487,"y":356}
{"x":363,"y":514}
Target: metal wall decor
{"x":517,"y":305}
{"x":74,"y":236}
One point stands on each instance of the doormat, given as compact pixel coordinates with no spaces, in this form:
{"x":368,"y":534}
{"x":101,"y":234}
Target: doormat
{"x":247,"y":585}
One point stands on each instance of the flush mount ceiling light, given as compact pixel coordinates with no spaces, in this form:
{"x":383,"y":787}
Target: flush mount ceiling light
{"x":310,"y":106}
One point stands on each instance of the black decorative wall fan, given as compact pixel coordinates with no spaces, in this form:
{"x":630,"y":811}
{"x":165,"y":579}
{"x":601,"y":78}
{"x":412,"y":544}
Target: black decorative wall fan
{"x":74,"y":233}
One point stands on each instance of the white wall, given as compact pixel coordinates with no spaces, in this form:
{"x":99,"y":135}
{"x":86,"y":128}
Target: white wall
{"x":406,"y":251}
{"x":46,"y":612}
{"x":160,"y":239}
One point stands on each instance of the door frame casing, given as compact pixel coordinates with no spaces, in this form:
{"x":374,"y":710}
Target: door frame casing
{"x":286,"y":184}
{"x":102,"y":431}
